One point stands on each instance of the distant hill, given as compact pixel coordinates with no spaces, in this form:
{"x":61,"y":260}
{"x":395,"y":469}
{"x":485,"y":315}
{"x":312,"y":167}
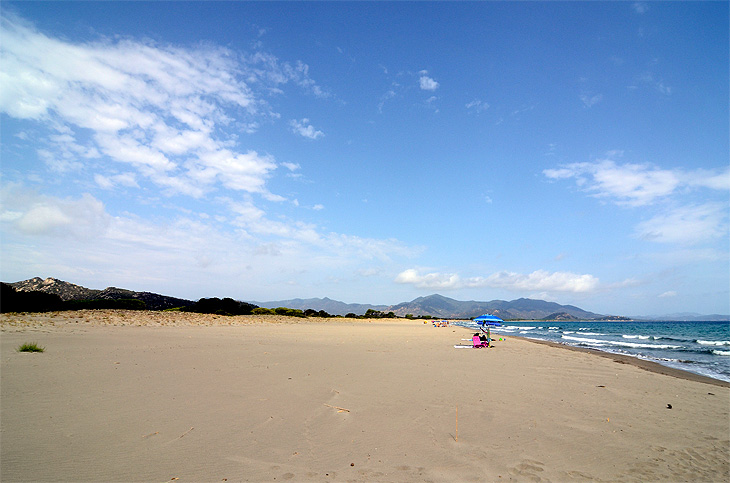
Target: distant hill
{"x":440,"y":306}
{"x":560,"y":317}
{"x":69,"y":292}
{"x":333,"y":307}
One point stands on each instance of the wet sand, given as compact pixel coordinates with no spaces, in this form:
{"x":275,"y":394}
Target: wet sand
{"x":157,"y":396}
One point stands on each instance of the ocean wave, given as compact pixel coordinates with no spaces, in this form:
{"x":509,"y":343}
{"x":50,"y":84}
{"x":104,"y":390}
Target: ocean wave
{"x":642,"y":337}
{"x":713,"y":342}
{"x":633,"y":345}
{"x":720,"y":353}
{"x":591,"y":333}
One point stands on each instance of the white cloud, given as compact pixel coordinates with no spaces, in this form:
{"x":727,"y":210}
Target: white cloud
{"x":544,"y":281}
{"x":539,"y":280}
{"x":668,"y":294}
{"x":641,"y":185}
{"x":171,"y":113}
{"x":627,"y":184}
{"x":429,"y":280}
{"x":708,"y":179}
{"x":291,"y":166}
{"x":687,"y":225}
{"x":47,"y":216}
{"x":427,"y":83}
{"x":305,"y":129}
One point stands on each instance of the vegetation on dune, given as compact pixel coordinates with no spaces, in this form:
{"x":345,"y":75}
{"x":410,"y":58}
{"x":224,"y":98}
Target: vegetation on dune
{"x":377,"y":314}
{"x":119,"y":304}
{"x":12,"y":301}
{"x":226,"y":306}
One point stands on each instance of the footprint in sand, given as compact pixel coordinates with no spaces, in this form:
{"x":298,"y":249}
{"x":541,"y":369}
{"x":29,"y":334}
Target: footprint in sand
{"x":528,"y":470}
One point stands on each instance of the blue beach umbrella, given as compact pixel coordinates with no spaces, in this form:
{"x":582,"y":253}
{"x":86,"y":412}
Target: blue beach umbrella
{"x":488,"y":320}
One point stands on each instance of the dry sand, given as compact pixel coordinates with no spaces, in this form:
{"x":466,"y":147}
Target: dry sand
{"x":144,"y":396}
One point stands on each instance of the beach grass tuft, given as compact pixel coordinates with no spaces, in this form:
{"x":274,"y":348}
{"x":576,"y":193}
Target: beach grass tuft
{"x":31,"y":347}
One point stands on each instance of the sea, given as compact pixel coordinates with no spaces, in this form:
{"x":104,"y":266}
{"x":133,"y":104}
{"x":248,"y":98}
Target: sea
{"x":699,"y":347}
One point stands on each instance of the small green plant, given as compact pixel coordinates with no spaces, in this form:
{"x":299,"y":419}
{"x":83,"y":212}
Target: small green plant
{"x":32,"y":347}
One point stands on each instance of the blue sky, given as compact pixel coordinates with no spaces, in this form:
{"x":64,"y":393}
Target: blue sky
{"x":371,"y":152}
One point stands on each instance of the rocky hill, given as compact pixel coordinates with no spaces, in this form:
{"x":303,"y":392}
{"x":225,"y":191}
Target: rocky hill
{"x":70,"y":292}
{"x":67,"y":291}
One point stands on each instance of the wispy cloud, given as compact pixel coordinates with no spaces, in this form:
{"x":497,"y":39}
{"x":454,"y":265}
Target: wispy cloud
{"x":681,"y":220}
{"x":659,"y":85}
{"x":390,"y":94}
{"x":109,"y":182}
{"x":687,"y":225}
{"x":539,"y":280}
{"x":635,"y":184}
{"x":590,"y":101}
{"x":163,"y":111}
{"x":477,"y":106}
{"x":27,"y":215}
{"x":640,"y":7}
{"x":305,"y":129}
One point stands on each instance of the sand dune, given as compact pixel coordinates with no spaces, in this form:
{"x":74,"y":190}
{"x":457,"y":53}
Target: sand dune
{"x":157,"y":396}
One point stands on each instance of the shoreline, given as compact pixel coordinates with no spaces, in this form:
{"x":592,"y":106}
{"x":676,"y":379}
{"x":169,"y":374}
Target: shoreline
{"x":650,"y":366}
{"x":647,"y":365}
{"x":115,"y":317}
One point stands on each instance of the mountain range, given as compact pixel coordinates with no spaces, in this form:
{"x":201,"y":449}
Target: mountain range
{"x":435,"y":306}
{"x":438,"y":306}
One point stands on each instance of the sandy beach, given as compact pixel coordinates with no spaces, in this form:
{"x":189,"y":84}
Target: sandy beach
{"x":165,"y":396}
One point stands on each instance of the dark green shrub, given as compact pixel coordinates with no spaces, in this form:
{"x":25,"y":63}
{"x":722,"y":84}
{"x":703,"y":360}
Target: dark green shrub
{"x":226,"y":306}
{"x":31,"y":347}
